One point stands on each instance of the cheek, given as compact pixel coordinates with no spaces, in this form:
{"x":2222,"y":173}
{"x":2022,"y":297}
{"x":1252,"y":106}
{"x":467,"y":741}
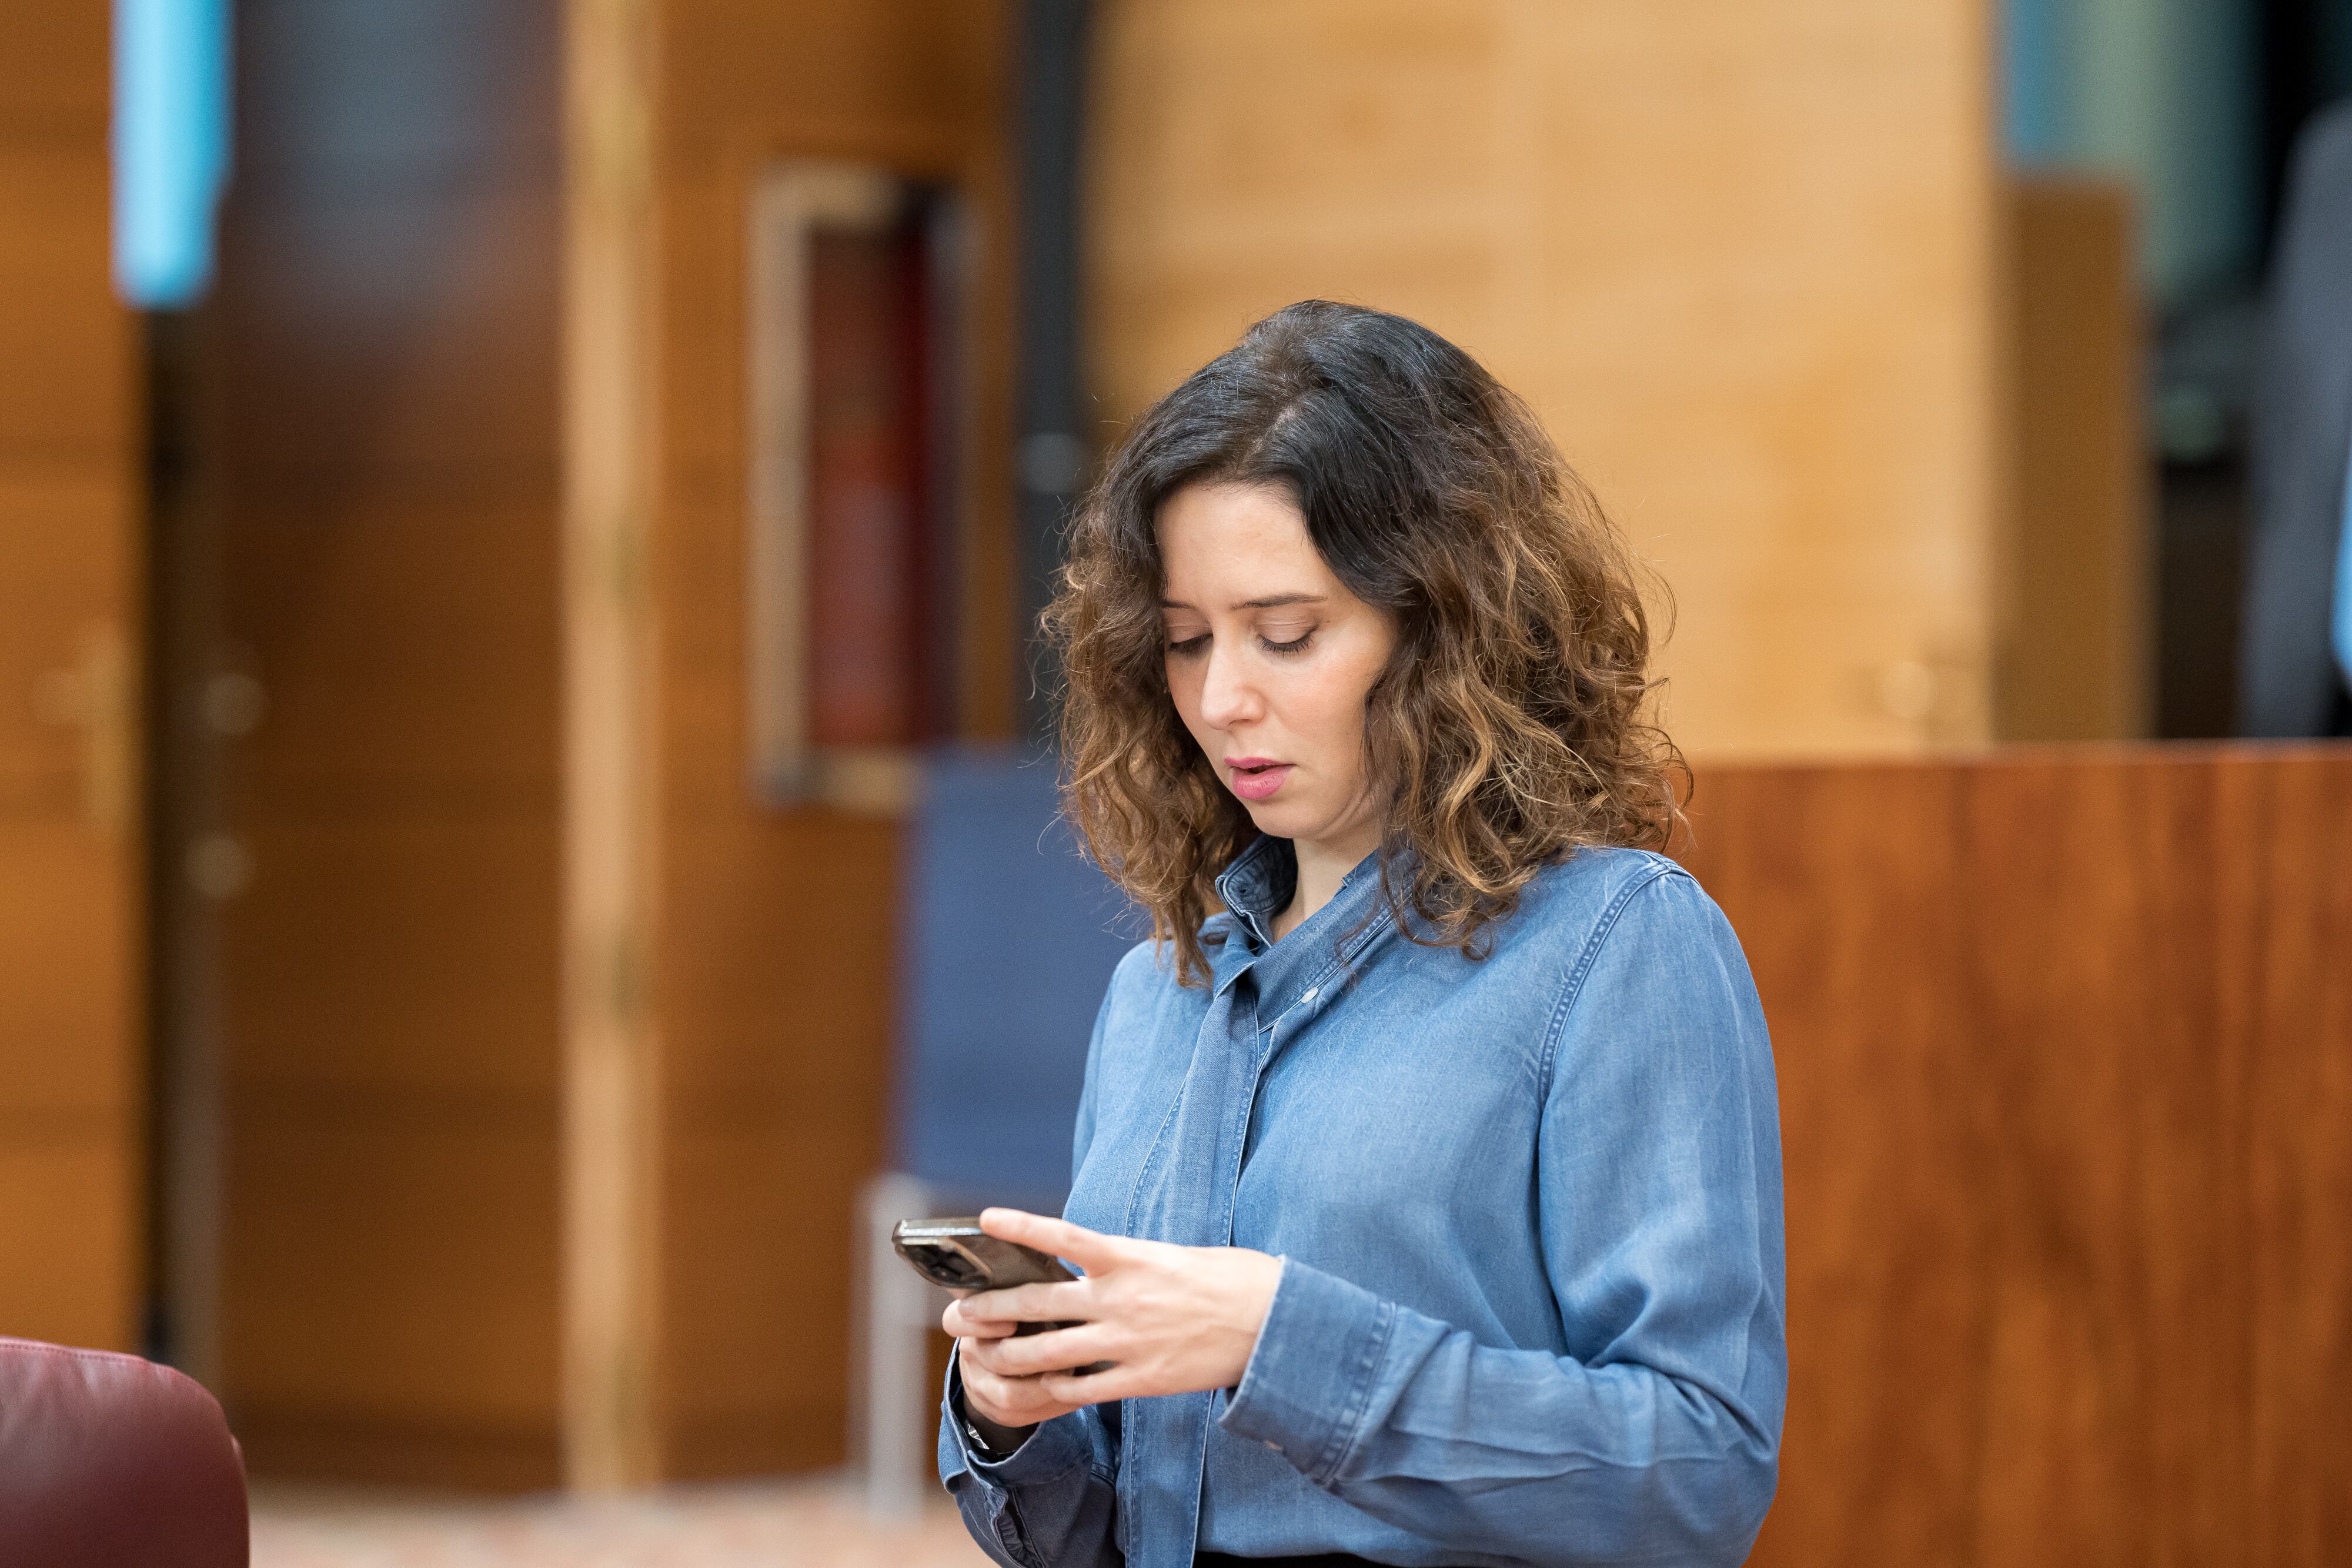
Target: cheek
{"x":1329,"y":709}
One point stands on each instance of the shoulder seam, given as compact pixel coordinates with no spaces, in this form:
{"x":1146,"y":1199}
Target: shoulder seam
{"x":1557,"y":1025}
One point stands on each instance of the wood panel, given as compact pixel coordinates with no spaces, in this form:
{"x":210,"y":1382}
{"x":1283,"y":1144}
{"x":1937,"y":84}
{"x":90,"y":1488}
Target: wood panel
{"x":1738,"y":257}
{"x":71,"y":1002}
{"x":68,"y":397}
{"x":405,"y":634}
{"x":770,"y":1200}
{"x":385,"y":374}
{"x":2292,"y":889}
{"x":403,"y":329}
{"x":396,"y":1294}
{"x":66,"y":1032}
{"x":437,"y":978}
{"x":2058,"y":1035}
{"x":2099,"y":943}
{"x":2076,"y":593}
{"x":772,"y":958}
{"x":66,"y":553}
{"x":918,"y":86}
{"x":69,"y":1217}
{"x":56,"y":76}
{"x":613,"y":1124}
{"x":1841,"y":900}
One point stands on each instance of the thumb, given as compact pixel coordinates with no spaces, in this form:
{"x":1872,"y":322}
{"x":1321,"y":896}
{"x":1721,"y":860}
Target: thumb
{"x":1090,"y":1250}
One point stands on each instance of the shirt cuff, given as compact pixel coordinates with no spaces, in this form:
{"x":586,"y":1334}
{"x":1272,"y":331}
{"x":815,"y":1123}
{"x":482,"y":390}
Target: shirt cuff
{"x":1311,"y":1375}
{"x":1051,"y":1450}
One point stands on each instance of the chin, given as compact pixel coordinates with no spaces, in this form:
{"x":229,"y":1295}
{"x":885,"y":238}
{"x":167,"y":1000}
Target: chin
{"x":1279,"y":819}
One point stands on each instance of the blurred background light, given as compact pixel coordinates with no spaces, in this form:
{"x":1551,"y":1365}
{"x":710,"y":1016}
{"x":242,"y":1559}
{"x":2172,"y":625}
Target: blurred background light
{"x":171,"y":146}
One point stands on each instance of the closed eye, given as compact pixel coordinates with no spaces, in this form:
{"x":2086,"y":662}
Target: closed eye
{"x":1296,"y":645}
{"x":1192,"y":645}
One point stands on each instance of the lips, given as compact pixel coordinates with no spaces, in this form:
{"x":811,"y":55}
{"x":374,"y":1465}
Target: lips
{"x":1257,"y":777}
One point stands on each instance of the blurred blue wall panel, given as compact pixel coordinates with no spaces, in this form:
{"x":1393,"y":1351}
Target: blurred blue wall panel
{"x":1010,"y":940}
{"x":171,"y":146}
{"x":2036,"y":69}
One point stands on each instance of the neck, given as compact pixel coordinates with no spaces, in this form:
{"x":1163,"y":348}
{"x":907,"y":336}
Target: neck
{"x":1323,"y":863}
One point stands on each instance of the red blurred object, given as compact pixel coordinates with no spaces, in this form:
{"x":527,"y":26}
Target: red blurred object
{"x":874,"y":635}
{"x":109,"y":1461}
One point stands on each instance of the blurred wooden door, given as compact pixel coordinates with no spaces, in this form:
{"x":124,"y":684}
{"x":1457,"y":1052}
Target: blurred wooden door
{"x":385,"y":375}
{"x":70,"y":966}
{"x":767,"y":929}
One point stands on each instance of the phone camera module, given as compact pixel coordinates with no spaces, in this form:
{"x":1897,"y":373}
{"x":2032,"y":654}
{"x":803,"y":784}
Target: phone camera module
{"x":951,"y":1267}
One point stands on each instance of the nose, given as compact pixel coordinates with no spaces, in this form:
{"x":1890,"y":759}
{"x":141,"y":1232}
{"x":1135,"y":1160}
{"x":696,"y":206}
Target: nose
{"x":1228,"y":695}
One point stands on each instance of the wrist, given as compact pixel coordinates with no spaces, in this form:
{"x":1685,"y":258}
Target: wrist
{"x":994,"y":1439}
{"x":1248,"y":1292}
{"x":1265,"y":1279}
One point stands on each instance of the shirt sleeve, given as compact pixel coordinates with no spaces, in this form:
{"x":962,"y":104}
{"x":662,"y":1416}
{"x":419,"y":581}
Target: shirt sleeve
{"x":1657,"y":1437}
{"x":1051,"y":1502}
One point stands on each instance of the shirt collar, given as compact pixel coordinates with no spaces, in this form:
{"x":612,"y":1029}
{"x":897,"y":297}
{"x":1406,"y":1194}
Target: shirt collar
{"x":1256,"y":888}
{"x":1259,"y":885}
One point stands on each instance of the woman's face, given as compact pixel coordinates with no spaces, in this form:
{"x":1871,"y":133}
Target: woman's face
{"x":1269,"y":659}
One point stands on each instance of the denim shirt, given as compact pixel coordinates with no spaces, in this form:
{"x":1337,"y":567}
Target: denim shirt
{"x":1528,"y":1209}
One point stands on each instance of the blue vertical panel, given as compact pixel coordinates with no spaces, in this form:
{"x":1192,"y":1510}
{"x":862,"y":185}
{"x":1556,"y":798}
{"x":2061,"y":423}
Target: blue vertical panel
{"x":2035,"y":47}
{"x":1009,"y":941}
{"x":171,"y":146}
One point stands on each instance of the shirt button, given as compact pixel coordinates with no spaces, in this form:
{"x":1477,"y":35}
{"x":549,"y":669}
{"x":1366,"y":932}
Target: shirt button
{"x":1309,"y":995}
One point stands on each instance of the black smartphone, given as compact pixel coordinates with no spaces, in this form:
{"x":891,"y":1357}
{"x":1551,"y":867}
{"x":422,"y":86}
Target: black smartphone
{"x":959,"y":1255}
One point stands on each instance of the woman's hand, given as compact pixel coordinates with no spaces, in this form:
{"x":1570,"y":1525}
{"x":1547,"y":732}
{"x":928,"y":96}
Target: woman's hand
{"x":1170,"y":1320}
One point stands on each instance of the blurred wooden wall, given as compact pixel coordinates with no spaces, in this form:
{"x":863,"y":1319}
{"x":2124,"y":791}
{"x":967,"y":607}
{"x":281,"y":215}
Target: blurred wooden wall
{"x":2063,"y":1042}
{"x":1741,"y":257}
{"x":552,"y":1058}
{"x":73,"y":1056}
{"x":767,"y":934}
{"x":2076,"y":596}
{"x":387,"y":389}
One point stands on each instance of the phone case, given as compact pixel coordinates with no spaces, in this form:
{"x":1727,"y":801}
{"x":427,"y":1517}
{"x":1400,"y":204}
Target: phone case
{"x":958,"y":1254}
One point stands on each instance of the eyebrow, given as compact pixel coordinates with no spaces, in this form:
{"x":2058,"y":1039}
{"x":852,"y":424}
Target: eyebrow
{"x":1272,"y":601}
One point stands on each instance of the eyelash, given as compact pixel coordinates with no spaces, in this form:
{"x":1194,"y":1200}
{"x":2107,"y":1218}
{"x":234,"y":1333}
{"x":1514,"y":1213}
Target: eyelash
{"x":1298,"y":645}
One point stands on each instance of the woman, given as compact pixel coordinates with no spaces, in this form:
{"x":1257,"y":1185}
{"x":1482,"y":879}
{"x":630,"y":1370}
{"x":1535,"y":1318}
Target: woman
{"x":1427,"y":1193}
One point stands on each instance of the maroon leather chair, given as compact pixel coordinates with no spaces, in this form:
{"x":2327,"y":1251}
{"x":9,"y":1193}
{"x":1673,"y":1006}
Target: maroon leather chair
{"x":109,"y":1461}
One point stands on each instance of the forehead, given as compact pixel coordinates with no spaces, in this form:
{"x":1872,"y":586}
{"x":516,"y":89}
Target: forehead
{"x":1252,"y":538}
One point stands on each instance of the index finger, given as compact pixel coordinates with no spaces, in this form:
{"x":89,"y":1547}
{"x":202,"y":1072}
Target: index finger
{"x":1063,"y":1303}
{"x":1090,"y":1250}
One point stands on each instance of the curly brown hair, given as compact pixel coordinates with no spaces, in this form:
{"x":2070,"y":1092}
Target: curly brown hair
{"x":1508,"y":725}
